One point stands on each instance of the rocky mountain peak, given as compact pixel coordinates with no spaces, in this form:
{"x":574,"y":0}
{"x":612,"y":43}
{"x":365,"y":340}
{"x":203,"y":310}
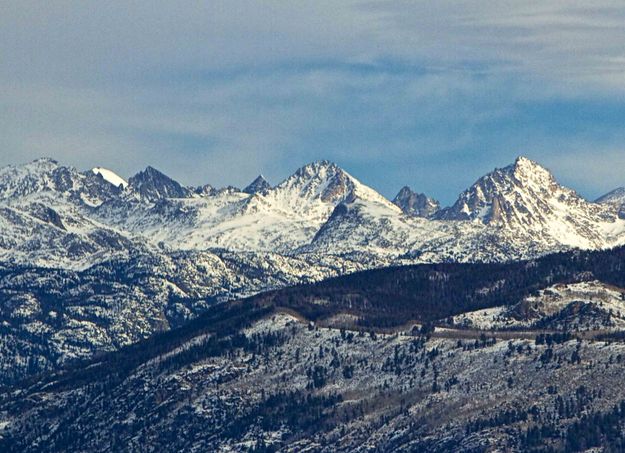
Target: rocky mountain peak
{"x":526,"y":171}
{"x":259,"y":185}
{"x":327,"y":183}
{"x":43,"y":162}
{"x":615,"y":197}
{"x":415,"y":204}
{"x":488,"y":199}
{"x":153,"y":185}
{"x":46,"y":181}
{"x":40,"y":175}
{"x":314,"y":190}
{"x":318,"y":167}
{"x":205,"y":190}
{"x":525,"y":198}
{"x":322,"y":180}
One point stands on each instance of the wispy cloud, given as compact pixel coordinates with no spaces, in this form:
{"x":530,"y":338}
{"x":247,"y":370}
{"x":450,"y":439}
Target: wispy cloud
{"x":427,"y":93}
{"x":571,"y":42}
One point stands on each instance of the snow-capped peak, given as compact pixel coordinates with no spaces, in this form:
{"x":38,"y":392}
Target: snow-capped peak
{"x":526,"y":171}
{"x":415,"y":204}
{"x":110,"y":176}
{"x":326,"y":181}
{"x":516,"y":211}
{"x":524,"y":181}
{"x":322,"y":179}
{"x":615,"y":197}
{"x":39,"y":175}
{"x":153,"y":185}
{"x":259,"y":185}
{"x":525,"y":198}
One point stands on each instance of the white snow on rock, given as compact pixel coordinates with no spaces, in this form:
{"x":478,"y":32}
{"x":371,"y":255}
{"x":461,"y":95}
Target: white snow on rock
{"x":517,"y":212}
{"x":559,"y":307}
{"x":110,"y":176}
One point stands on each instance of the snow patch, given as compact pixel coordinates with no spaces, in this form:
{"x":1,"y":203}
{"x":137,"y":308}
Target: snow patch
{"x":110,"y":176}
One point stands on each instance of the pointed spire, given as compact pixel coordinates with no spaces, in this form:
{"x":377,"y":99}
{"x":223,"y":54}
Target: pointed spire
{"x":415,"y":204}
{"x":259,"y":185}
{"x":153,"y":185}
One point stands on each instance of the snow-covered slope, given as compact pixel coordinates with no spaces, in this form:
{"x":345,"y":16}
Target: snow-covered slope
{"x":365,"y":227}
{"x":588,"y":305}
{"x":279,"y":219}
{"x":59,"y":237}
{"x":247,"y":380}
{"x":615,"y":197}
{"x":516,"y":212}
{"x":45,"y":217}
{"x":49,"y":316}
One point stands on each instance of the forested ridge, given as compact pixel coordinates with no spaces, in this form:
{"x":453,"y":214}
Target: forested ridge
{"x":215,"y":382}
{"x":429,"y":292}
{"x":380,"y":298}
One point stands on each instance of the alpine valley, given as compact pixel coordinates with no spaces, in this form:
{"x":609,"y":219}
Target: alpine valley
{"x":313,"y":315}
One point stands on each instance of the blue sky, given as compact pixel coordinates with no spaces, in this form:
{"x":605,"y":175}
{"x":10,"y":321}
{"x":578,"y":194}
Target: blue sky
{"x":429,"y":94}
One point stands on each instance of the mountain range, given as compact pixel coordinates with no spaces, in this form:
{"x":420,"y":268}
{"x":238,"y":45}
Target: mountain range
{"x":463,"y":357}
{"x":144,"y":314}
{"x":92,"y":262}
{"x":57,"y":216}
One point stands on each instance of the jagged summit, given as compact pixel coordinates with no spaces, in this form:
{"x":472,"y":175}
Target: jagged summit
{"x":316,"y":166}
{"x":519,"y":210}
{"x":259,"y":185}
{"x":321,"y":179}
{"x":524,"y":180}
{"x":37,"y":168}
{"x":46,"y":175}
{"x":326,"y":182}
{"x":415,"y":204}
{"x":43,"y":161}
{"x":152,"y":185}
{"x":204,"y":190}
{"x":525,"y":198}
{"x":527,"y":171}
{"x":523,"y":161}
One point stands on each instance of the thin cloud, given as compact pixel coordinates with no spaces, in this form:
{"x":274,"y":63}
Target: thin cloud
{"x":427,"y":93}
